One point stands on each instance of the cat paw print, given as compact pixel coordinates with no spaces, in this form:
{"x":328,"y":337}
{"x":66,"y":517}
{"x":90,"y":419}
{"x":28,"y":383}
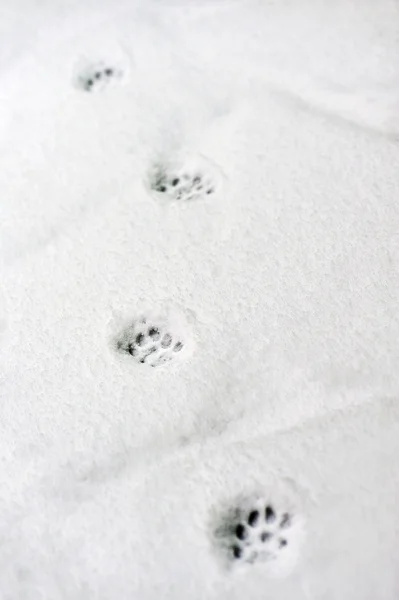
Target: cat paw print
{"x":195,"y":178}
{"x":260,"y":531}
{"x":157,"y":340}
{"x":97,"y":77}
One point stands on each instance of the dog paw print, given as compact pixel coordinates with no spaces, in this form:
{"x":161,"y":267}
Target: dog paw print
{"x":99,"y":76}
{"x":157,"y":341}
{"x":261,"y":532}
{"x":193,"y":179}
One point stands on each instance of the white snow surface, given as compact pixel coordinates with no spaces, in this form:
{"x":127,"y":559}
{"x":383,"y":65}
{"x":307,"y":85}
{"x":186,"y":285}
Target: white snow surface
{"x":110,"y":470}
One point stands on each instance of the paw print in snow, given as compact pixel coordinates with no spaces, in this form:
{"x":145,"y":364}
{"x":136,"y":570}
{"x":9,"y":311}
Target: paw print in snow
{"x":99,"y":76}
{"x":157,"y":341}
{"x":258,"y":531}
{"x":195,"y":178}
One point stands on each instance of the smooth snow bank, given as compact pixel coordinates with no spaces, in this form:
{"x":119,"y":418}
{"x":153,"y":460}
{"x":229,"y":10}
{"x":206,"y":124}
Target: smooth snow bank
{"x":111,"y":471}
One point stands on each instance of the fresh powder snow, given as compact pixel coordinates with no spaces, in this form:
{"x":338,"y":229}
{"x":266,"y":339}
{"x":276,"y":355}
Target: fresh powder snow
{"x":199,"y":322}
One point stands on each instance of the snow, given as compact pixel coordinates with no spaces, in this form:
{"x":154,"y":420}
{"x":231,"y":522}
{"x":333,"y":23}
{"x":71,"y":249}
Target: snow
{"x":288,"y":275}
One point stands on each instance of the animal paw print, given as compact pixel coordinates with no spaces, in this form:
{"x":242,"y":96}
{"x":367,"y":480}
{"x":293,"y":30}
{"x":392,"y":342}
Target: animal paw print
{"x":97,"y":77}
{"x":157,"y":341}
{"x":195,"y":179}
{"x":260,"y":532}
